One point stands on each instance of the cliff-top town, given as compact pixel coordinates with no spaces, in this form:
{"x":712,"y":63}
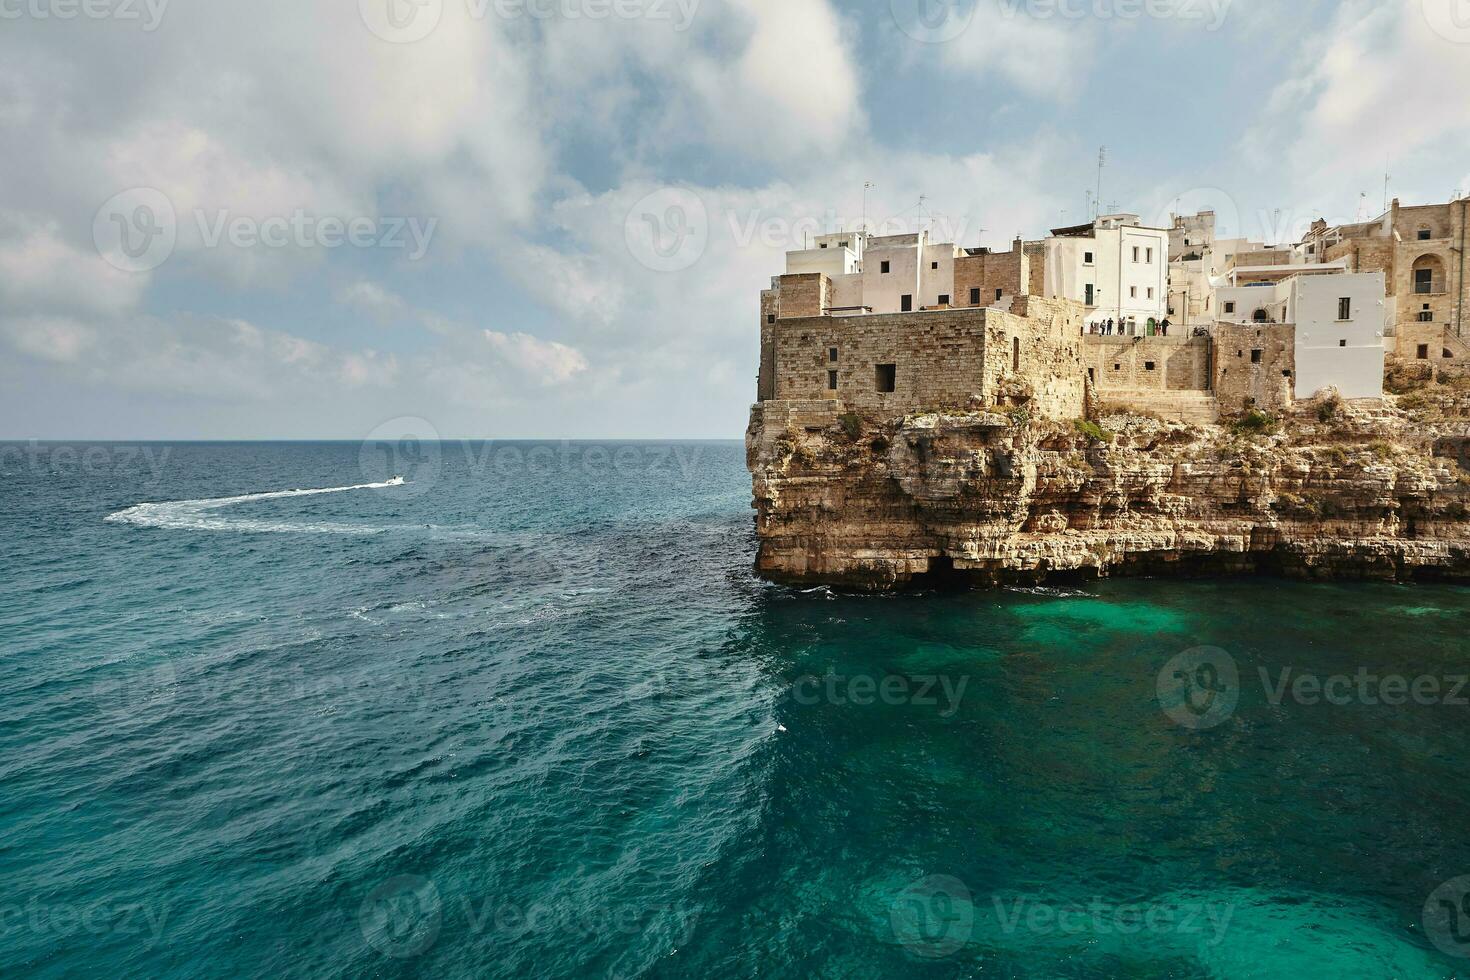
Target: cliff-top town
{"x":1118,"y":399}
{"x":1175,"y":321}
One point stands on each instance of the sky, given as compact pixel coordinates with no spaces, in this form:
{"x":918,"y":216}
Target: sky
{"x":506,"y":219}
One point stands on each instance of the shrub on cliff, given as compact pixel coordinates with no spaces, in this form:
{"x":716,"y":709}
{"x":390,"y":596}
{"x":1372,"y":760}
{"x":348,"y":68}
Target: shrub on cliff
{"x":852,"y":425}
{"x":1092,"y":431}
{"x":1254,"y":423}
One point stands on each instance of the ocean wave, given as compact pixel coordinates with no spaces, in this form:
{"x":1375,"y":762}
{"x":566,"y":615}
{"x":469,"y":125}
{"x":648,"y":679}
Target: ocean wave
{"x":199,"y":515}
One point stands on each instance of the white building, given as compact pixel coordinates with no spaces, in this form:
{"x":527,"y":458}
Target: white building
{"x":881,"y":274}
{"x":1116,"y":267}
{"x":1339,"y":321}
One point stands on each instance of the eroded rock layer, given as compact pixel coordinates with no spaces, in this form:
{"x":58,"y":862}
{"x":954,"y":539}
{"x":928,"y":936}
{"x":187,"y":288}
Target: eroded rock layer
{"x":1333,"y":491}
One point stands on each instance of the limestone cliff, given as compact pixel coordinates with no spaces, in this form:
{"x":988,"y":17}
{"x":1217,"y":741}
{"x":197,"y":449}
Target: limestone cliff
{"x":1332,"y":491}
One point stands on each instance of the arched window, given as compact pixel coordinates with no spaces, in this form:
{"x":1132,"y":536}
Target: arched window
{"x":1261,"y":316}
{"x":1428,"y":275}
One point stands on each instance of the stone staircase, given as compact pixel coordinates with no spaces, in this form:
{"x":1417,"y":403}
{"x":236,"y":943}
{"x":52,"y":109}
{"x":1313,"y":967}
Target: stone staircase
{"x":1197,"y":407}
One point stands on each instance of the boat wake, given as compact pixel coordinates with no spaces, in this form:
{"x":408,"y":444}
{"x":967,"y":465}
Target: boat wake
{"x":201,"y":515}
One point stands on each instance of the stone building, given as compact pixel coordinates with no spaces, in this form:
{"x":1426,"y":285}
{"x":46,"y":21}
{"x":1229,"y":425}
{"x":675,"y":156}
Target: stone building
{"x":1420,"y":250}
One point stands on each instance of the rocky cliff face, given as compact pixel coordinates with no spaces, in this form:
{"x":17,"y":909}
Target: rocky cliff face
{"x":1333,"y":491}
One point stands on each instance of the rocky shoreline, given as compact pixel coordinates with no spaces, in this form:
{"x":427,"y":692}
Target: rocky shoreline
{"x":1331,"y":490}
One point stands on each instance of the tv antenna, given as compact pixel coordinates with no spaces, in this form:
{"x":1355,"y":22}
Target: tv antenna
{"x":1102,"y":159}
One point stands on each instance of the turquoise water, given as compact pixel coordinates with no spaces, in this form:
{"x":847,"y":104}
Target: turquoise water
{"x":530,"y":714}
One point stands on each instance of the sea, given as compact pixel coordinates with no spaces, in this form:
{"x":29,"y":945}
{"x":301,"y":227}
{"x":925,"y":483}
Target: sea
{"x":498,"y":709}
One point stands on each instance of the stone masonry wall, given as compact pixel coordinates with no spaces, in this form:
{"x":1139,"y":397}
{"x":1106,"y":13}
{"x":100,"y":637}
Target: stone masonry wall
{"x":804,"y":294}
{"x":1132,"y":364}
{"x":943,"y":359}
{"x":996,"y":271}
{"x":1242,"y":382}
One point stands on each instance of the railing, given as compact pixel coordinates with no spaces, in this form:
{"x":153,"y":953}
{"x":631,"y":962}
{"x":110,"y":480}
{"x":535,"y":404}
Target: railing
{"x":1431,"y":287}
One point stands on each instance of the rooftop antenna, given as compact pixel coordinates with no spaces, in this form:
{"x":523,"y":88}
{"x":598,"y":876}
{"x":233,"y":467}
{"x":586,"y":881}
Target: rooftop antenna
{"x":867,"y":186}
{"x":1362,"y":214}
{"x":1102,"y":159}
{"x":1386,"y":178}
{"x":922,"y":199}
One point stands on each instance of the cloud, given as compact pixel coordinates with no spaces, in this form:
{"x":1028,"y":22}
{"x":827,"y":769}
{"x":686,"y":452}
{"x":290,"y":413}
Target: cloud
{"x":41,"y":271}
{"x":548,"y":362}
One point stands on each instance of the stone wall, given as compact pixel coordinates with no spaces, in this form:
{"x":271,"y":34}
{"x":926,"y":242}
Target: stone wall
{"x":1255,"y":366}
{"x":1140,"y":364}
{"x":944,"y":359}
{"x":803,"y":294}
{"x":995,"y":275}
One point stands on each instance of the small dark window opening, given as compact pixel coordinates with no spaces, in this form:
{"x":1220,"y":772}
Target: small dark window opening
{"x":1342,"y":343}
{"x":1447,"y":353}
{"x":1117,"y":367}
{"x":933,"y":265}
{"x":1229,"y":307}
{"x":831,"y":380}
{"x":770,"y":318}
{"x":1091,"y":375}
{"x":975,"y":296}
{"x":1148,"y":365}
{"x":944,"y":299}
{"x":883,"y":268}
{"x":887,"y":378}
{"x":1261,"y":316}
{"x":906,"y":303}
{"x":1256,"y":356}
{"x":1015,"y":353}
{"x":1286,"y":374}
{"x":1424,"y":234}
{"x":832,"y":354}
{"x":998,"y":294}
{"x":1423,"y":352}
{"x":1345,"y":308}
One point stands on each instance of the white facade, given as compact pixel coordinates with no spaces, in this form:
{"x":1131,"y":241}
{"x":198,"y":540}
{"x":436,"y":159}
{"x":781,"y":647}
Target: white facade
{"x":1339,"y":321}
{"x":1120,"y":270}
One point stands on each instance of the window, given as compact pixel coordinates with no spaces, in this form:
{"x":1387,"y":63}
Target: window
{"x":944,"y":299}
{"x":1256,"y":356}
{"x":884,"y":268}
{"x":1424,"y":281}
{"x":906,"y":303}
{"x":1229,"y":307}
{"x":1423,"y":352}
{"x":1345,"y":308}
{"x":1342,"y":343}
{"x":831,"y":380}
{"x":770,"y":318}
{"x":1089,"y":297}
{"x":975,"y":296}
{"x":933,"y":265}
{"x":842,"y":244}
{"x":1135,"y":253}
{"x":1261,"y":316}
{"x":1015,"y":353}
{"x":1087,"y":258}
{"x":1150,"y":256}
{"x":1424,"y":234}
{"x":1148,"y":365}
{"x":1117,"y":367}
{"x":1186,"y":241}
{"x":824,"y":245}
{"x":832,"y":354}
{"x":887,"y":378}
{"x":998,"y":294}
{"x":1132,"y":292}
{"x":1150,"y":292}
{"x":1425,"y":315}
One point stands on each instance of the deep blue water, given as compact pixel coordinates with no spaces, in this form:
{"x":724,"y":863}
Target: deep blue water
{"x":530,"y":714}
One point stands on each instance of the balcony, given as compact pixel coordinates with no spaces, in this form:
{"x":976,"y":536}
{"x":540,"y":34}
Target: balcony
{"x":1430,"y":287}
